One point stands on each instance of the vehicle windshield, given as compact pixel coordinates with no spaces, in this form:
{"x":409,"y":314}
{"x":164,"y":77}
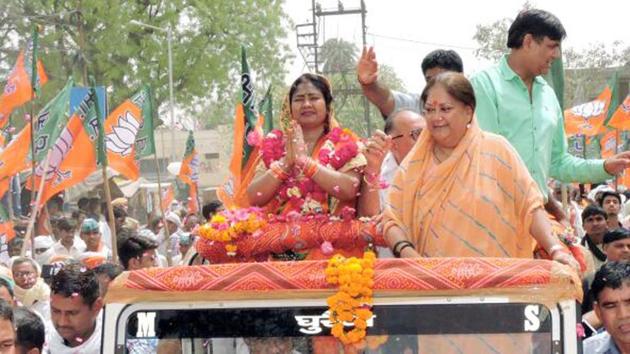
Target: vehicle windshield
{"x":424,"y":328}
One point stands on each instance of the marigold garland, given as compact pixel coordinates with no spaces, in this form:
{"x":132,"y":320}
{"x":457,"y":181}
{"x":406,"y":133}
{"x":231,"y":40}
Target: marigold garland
{"x":353,"y":302}
{"x":230,"y":225}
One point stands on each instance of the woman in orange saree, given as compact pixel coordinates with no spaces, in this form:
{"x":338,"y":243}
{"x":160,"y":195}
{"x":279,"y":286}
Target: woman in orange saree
{"x":311,"y":166}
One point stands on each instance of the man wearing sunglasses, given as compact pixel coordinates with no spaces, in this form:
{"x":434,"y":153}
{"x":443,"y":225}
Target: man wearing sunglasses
{"x":404,"y":128}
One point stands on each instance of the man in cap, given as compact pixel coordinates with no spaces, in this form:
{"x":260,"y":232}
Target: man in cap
{"x":123,"y":203}
{"x":173,"y":227}
{"x":96,"y":251}
{"x":41,"y":246}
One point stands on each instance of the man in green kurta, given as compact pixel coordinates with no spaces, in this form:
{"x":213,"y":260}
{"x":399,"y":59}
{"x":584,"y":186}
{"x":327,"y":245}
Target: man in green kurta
{"x":514,"y":100}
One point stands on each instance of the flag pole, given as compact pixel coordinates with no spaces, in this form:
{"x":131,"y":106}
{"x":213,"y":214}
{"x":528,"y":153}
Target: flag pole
{"x":31,"y":105}
{"x":102,"y":156}
{"x":10,"y":200}
{"x":164,"y":225}
{"x":28,"y":238}
{"x":616,"y":152}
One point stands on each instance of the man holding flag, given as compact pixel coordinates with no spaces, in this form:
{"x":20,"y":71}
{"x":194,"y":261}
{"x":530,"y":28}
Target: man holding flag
{"x":513,"y":100}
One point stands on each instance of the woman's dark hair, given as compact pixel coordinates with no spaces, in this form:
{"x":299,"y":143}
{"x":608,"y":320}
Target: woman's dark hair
{"x":210,"y":209}
{"x":611,"y":275}
{"x":319,"y":82}
{"x":456,"y":85}
{"x":74,"y":279}
{"x":29,"y":329}
{"x":538,"y":23}
{"x":448,"y":60}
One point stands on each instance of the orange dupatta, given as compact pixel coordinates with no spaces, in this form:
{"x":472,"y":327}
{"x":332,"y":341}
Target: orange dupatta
{"x":478,"y":202}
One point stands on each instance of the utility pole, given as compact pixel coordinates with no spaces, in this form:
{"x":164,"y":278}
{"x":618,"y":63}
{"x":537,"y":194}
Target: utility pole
{"x":308,"y":44}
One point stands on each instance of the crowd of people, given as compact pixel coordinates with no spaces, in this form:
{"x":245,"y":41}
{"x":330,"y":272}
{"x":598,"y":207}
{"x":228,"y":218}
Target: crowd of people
{"x":461,"y":170}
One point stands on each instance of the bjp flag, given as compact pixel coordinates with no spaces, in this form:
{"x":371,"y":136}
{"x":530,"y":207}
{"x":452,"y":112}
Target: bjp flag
{"x":19,"y":89}
{"x":621,"y":118}
{"x":245,"y":156}
{"x":189,"y":173}
{"x":129,"y":134}
{"x":167,"y":198}
{"x":608,"y":144}
{"x":15,"y":157}
{"x":73,"y":155}
{"x":588,"y":118}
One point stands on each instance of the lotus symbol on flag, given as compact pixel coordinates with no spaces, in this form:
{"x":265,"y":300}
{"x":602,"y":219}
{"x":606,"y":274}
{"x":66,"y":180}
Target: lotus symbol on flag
{"x":589,"y":109}
{"x":123,"y":135}
{"x":58,"y":154}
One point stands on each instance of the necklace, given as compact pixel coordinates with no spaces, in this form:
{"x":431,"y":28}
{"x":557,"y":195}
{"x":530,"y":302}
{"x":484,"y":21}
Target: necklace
{"x":437,"y":158}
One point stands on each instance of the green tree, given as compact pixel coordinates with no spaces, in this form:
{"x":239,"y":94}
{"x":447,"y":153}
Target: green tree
{"x":98,"y":36}
{"x":585,"y":69}
{"x":339,"y":58}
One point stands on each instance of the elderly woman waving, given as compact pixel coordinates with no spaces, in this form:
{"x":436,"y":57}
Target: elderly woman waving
{"x":462,"y":192}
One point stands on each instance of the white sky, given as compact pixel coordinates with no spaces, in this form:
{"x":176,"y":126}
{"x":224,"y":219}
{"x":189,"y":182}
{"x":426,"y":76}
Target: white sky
{"x":450,"y":22}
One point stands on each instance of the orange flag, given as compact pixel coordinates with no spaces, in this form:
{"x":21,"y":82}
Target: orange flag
{"x":167,"y":198}
{"x":621,"y":117}
{"x":608,"y":144}
{"x":18,"y":89}
{"x":121,"y":128}
{"x":189,"y":173}
{"x":73,"y":155}
{"x":15,"y":158}
{"x":588,"y":118}
{"x":233,"y":192}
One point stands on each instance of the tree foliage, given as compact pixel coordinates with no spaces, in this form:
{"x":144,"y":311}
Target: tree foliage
{"x":585,"y":73}
{"x":207,"y":35}
{"x":339,"y":58}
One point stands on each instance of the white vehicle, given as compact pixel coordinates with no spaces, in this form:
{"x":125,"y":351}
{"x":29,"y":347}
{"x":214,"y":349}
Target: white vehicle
{"x":468,"y":305}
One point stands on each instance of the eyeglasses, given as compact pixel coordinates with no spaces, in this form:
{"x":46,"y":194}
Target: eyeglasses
{"x":414,"y":134}
{"x":24,"y":274}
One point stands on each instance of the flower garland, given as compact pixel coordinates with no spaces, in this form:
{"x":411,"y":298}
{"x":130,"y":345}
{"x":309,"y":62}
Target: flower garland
{"x":353,"y":302}
{"x":337,"y":150}
{"x":229,"y":226}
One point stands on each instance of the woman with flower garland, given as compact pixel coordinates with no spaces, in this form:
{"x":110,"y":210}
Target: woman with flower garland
{"x":312,"y":166}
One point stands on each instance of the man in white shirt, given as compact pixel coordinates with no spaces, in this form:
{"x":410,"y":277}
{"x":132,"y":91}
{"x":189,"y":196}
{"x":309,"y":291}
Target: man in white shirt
{"x":404,"y":127}
{"x":67,"y":244}
{"x":76,"y":319}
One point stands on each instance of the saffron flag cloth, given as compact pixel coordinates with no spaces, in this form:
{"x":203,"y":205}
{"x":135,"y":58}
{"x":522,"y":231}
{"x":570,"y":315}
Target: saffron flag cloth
{"x":15,"y":157}
{"x":168,"y":196}
{"x":129,"y":134}
{"x":73,"y":156}
{"x":189,"y":173}
{"x":590,"y":118}
{"x":244,"y":155}
{"x":621,"y":117}
{"x":608,"y":144}
{"x":18,"y":89}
